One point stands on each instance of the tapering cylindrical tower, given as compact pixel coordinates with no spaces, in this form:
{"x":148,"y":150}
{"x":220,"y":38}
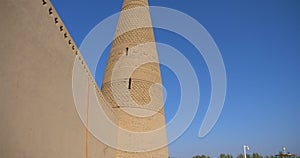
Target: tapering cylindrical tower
{"x":132,"y":82}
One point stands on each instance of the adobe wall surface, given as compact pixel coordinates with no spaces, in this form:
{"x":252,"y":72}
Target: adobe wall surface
{"x":38,"y":117}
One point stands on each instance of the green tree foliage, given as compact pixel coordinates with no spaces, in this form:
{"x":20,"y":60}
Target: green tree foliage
{"x":202,"y":156}
{"x":222,"y":156}
{"x":225,"y":156}
{"x":256,"y":155}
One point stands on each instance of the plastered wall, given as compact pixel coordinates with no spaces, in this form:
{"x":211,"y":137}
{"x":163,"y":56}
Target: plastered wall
{"x":38,"y":117}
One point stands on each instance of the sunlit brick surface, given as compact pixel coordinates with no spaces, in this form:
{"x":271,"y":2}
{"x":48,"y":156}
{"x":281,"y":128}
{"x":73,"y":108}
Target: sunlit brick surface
{"x":132,"y":80}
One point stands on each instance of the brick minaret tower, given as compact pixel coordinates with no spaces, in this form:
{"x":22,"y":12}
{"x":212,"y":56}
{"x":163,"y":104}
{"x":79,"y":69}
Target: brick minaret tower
{"x":132,"y":81}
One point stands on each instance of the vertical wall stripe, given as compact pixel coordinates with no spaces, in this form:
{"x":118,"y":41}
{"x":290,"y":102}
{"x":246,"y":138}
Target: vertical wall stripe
{"x":87,"y":123}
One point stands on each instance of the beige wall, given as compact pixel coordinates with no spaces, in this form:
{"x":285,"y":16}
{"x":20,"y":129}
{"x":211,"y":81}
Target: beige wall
{"x":38,"y":118}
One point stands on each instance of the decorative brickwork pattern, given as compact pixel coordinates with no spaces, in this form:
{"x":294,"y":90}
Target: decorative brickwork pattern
{"x":132,"y":80}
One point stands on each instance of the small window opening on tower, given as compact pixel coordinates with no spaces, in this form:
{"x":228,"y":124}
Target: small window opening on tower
{"x":61,"y":28}
{"x":126,"y":51}
{"x":50,"y":11}
{"x":44,"y":2}
{"x":69,"y":42}
{"x":129,"y":83}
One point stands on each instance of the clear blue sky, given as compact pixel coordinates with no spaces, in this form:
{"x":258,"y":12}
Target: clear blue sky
{"x":260,"y":45}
